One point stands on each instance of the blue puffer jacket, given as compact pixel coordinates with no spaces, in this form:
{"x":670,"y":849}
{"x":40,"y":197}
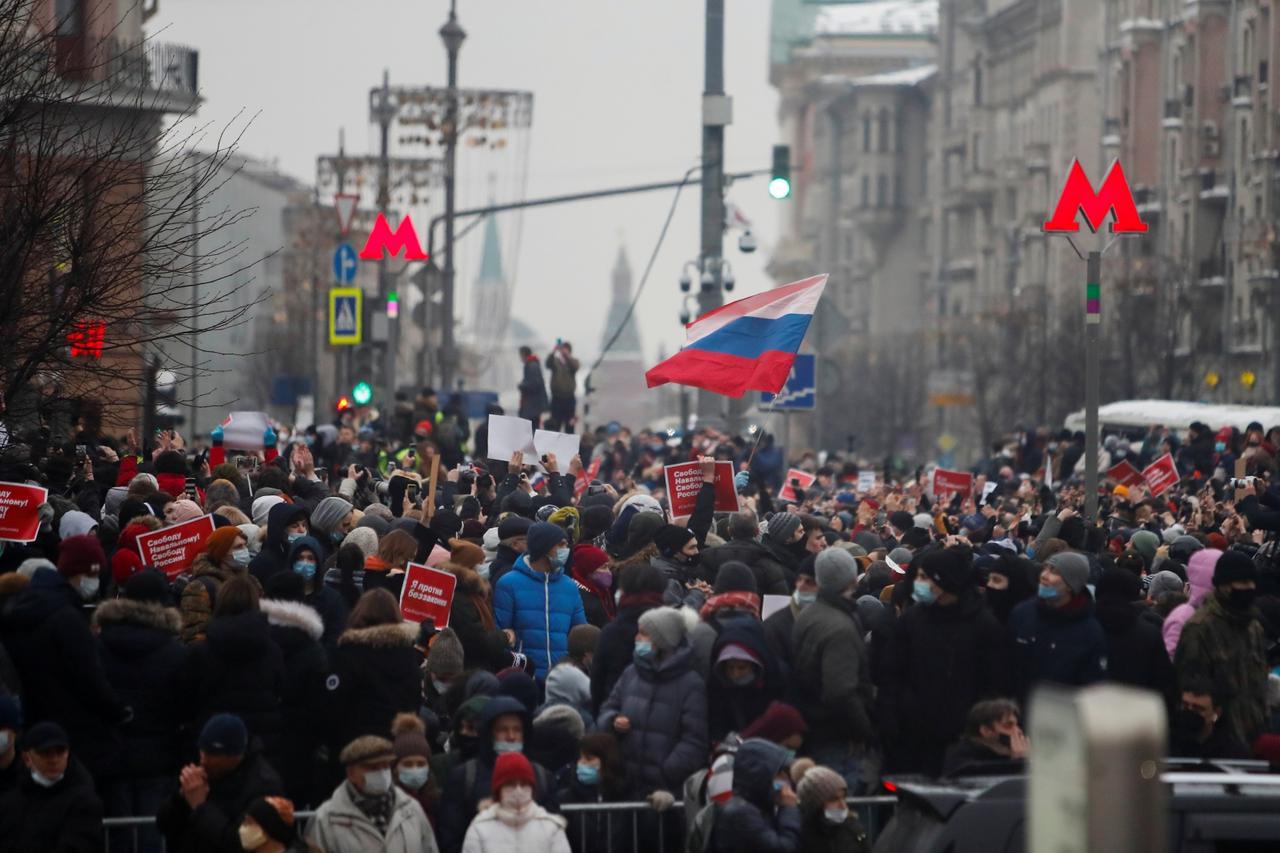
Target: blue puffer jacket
{"x":540,"y":608}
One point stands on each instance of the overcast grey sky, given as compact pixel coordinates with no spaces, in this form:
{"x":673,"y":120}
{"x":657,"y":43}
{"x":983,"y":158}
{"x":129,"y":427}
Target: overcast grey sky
{"x":617,"y":86}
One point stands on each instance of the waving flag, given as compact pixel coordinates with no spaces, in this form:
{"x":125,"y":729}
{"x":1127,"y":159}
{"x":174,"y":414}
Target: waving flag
{"x":748,"y":345}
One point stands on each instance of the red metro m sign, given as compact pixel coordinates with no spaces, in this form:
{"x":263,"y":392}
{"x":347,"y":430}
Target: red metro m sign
{"x":403,"y":239}
{"x":1078,"y":196}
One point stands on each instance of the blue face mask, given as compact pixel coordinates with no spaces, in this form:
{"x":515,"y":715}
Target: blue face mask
{"x":505,"y":746}
{"x":337,"y":535}
{"x":588,"y":774}
{"x":777,"y":785}
{"x":294,"y":537}
{"x":644,"y":648}
{"x":1220,"y":446}
{"x":414,"y":778}
{"x":1047,"y":593}
{"x":306,"y":568}
{"x":922,"y":592}
{"x":803,"y":599}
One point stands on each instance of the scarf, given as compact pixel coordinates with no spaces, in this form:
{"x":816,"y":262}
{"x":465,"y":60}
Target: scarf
{"x":377,"y":809}
{"x":640,"y":599}
{"x":515,"y":817}
{"x":727,"y":600}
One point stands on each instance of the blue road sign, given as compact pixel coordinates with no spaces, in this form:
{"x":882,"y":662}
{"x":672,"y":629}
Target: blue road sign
{"x":800,"y":392}
{"x":344,"y":316}
{"x":344,"y":264}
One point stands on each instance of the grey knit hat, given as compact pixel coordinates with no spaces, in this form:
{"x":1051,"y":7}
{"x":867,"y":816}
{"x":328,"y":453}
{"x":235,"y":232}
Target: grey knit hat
{"x":665,"y":626}
{"x":835,"y":570}
{"x":364,"y":538}
{"x":783,"y":525}
{"x":329,"y":513}
{"x":446,"y":655}
{"x":1073,"y":567}
{"x":1162,"y":582}
{"x":819,"y":785}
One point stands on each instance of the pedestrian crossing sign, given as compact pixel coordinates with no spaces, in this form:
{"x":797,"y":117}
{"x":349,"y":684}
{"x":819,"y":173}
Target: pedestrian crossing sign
{"x":344,"y":316}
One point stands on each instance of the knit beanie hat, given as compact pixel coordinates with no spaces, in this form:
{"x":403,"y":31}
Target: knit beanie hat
{"x":595,"y":521}
{"x":510,"y":768}
{"x":783,"y":525}
{"x":446,"y":655}
{"x":447,"y":525}
{"x":224,"y":734}
{"x":149,"y":586}
{"x":185,"y":510}
{"x":948,"y":569}
{"x":819,"y":785}
{"x":734,"y":576}
{"x":410,"y":735}
{"x":902,"y":520}
{"x":364,"y":538}
{"x":1234,"y":566}
{"x":1073,"y":568}
{"x":582,"y":640}
{"x":465,"y":553}
{"x":329,"y":513}
{"x":835,"y":570}
{"x":671,"y":538}
{"x":513,"y":526}
{"x":219,"y":543}
{"x":778,"y":722}
{"x":275,"y":816}
{"x":367,"y":748}
{"x":262,"y":507}
{"x":79,"y":554}
{"x":1183,"y":547}
{"x":286,"y":586}
{"x":543,"y":537}
{"x":75,"y":523}
{"x":1162,"y":582}
{"x":1145,"y":543}
{"x":665,"y":626}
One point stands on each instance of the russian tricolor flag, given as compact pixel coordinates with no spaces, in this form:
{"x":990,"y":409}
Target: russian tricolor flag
{"x":748,"y":345}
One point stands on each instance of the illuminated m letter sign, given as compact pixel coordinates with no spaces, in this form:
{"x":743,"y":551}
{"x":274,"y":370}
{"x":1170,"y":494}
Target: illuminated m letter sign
{"x":1078,"y":196}
{"x":403,"y":239}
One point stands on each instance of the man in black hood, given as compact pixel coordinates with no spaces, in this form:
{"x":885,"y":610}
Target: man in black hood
{"x":763,"y":814}
{"x":286,"y":523}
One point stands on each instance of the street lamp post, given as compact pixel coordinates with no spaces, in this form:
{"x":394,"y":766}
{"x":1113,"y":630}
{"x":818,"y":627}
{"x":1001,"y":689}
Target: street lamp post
{"x":452,"y":35}
{"x":716,"y":113}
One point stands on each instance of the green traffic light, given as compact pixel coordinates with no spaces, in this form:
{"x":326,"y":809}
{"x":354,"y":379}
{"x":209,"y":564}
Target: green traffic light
{"x":780,"y":177}
{"x":362,"y":393}
{"x":779,"y":188}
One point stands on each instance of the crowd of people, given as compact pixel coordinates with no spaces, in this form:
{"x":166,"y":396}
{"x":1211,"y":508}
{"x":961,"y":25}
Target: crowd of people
{"x":759,"y":666}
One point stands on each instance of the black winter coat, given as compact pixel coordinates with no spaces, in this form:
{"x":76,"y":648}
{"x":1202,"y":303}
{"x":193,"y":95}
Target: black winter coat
{"x":1135,"y":649}
{"x":238,"y":670}
{"x":832,"y":681}
{"x":66,"y":818}
{"x":501,"y":564}
{"x":940,"y":661}
{"x":297,"y":630}
{"x":771,"y":575}
{"x":1064,"y":645}
{"x":59,"y":662}
{"x":214,"y":825}
{"x":616,"y":646}
{"x":145,"y":661}
{"x":732,"y":708}
{"x":749,"y":821}
{"x":482,"y":647}
{"x":374,"y":674}
{"x":777,"y":632}
{"x":817,"y":835}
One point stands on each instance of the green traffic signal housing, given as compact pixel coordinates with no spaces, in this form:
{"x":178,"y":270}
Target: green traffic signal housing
{"x":780,"y":180}
{"x":362,"y":393}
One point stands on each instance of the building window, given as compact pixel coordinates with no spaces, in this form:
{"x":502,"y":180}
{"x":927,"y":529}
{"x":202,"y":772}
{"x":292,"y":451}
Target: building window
{"x":977,"y":81}
{"x":882,"y":190}
{"x":898,"y":200}
{"x":866,"y":190}
{"x":884,"y":130}
{"x":866,"y":132}
{"x":1244,"y":144}
{"x":70,"y":17}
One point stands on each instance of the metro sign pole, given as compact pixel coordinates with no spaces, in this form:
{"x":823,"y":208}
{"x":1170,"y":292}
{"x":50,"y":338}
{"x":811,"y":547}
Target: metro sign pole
{"x":1078,"y":196}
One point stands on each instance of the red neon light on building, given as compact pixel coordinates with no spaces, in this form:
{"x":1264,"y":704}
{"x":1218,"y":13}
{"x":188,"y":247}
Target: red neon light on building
{"x":1114,"y":196}
{"x":87,"y":340}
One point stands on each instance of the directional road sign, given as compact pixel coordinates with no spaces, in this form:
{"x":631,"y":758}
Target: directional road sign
{"x":344,"y":264}
{"x":344,"y":316}
{"x":800,"y":392}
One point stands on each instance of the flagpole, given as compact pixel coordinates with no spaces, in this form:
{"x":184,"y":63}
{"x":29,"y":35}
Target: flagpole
{"x":760,"y":431}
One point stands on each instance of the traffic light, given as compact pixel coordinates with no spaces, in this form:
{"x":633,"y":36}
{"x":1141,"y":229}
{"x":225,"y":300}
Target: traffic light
{"x":362,"y":393}
{"x":780,"y":182}
{"x":343,"y":404}
{"x":393,"y":305}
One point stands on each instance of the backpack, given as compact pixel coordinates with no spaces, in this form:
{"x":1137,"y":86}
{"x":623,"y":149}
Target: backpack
{"x":702,"y":830}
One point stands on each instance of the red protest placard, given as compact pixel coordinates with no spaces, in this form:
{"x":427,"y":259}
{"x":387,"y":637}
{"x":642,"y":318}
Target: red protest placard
{"x":172,"y":549}
{"x":1161,"y":475}
{"x":684,"y":481}
{"x":20,"y":511}
{"x":1125,"y":474}
{"x":795,"y":478}
{"x":585,"y":478}
{"x":948,"y":483}
{"x":427,"y":594}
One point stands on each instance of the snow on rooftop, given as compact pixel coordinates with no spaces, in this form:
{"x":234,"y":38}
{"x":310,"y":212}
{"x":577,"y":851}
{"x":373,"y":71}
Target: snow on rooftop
{"x":878,"y":17}
{"x":902,"y":77}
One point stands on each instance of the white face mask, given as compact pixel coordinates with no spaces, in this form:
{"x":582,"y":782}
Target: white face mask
{"x":516,"y":797}
{"x":6,"y":741}
{"x":89,"y":587}
{"x":252,"y":837}
{"x":377,"y":782}
{"x":44,"y":781}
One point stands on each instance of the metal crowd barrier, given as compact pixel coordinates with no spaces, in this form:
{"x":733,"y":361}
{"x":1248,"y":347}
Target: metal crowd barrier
{"x":873,"y":811}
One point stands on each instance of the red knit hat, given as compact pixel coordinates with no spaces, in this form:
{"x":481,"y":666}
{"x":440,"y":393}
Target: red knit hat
{"x":778,"y":722}
{"x":219,"y":543}
{"x":512,"y":767}
{"x":79,"y":554}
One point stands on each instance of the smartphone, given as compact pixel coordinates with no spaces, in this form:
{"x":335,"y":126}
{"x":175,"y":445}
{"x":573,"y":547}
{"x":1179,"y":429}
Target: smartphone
{"x":411,"y":491}
{"x":191,"y":488}
{"x":82,"y":452}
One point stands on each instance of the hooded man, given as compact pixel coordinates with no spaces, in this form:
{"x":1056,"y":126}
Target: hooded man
{"x":763,"y":815}
{"x":286,"y":524}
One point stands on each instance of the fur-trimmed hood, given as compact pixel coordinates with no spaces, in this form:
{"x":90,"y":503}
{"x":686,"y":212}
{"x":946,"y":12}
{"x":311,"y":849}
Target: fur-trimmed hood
{"x":469,"y":580}
{"x":143,"y":614}
{"x":293,"y":614}
{"x":639,"y":558}
{"x":401,"y":635}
